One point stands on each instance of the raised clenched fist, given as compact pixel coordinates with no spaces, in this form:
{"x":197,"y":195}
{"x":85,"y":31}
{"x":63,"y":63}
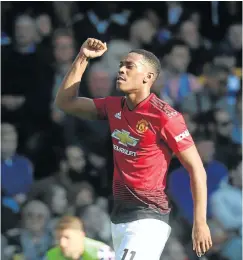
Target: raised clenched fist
{"x":93,"y":48}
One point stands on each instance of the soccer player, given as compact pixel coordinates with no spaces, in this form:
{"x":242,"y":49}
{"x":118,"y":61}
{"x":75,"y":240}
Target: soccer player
{"x":145,"y":132}
{"x":73,"y":245}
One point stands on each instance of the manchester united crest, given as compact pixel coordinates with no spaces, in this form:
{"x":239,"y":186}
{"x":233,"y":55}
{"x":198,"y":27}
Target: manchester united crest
{"x":142,"y":126}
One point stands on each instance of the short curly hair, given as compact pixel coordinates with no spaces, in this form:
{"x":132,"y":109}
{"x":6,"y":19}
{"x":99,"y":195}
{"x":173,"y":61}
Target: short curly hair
{"x":151,"y":59}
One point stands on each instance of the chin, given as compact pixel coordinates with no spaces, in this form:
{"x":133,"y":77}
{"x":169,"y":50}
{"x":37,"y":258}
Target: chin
{"x":122,"y":87}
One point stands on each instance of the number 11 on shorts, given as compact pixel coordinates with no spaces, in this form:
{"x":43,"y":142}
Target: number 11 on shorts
{"x":126,"y":256}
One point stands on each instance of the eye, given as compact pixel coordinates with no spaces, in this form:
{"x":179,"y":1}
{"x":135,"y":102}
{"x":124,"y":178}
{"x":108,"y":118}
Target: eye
{"x":130,"y":66}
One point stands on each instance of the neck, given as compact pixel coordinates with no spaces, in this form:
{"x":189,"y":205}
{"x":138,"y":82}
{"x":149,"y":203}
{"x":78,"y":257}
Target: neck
{"x":134,"y":99}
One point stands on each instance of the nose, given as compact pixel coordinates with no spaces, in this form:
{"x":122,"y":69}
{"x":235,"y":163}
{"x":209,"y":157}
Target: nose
{"x":122,"y":70}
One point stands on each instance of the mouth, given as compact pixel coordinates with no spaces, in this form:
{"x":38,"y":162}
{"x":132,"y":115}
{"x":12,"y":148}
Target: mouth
{"x":120,"y":78}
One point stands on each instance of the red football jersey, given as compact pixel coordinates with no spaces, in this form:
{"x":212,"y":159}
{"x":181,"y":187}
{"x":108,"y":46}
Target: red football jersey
{"x":144,"y":140}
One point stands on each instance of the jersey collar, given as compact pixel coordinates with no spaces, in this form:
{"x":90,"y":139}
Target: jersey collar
{"x":143,"y":103}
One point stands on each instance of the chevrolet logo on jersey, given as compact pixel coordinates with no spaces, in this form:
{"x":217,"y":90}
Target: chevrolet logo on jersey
{"x":124,"y":138}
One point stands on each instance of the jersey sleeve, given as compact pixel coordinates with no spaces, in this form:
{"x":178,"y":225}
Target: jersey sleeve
{"x":101,"y":106}
{"x":176,"y":134}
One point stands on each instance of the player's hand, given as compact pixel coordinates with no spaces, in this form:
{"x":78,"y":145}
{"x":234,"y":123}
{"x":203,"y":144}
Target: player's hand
{"x":93,"y":48}
{"x":201,"y":238}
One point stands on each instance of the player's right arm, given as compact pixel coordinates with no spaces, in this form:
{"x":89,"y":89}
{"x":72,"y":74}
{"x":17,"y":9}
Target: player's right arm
{"x":67,"y":98}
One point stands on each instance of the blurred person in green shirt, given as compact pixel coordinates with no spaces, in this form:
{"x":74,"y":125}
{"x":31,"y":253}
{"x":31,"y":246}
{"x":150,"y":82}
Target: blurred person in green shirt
{"x":72,"y":244}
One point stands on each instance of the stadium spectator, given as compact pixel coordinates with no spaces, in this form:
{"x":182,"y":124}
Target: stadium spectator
{"x":178,"y":83}
{"x":57,"y":199}
{"x":233,"y":42}
{"x":225,"y":147}
{"x":34,"y":238}
{"x":212,"y":96}
{"x":99,"y":81}
{"x":76,"y":169}
{"x":44,"y":32}
{"x":199,"y":47}
{"x":64,"y":51}
{"x":44,"y":27}
{"x":26,"y":96}
{"x":88,"y":207}
{"x":142,"y":32}
{"x":17,"y":171}
{"x":226,"y":207}
{"x":227,"y":59}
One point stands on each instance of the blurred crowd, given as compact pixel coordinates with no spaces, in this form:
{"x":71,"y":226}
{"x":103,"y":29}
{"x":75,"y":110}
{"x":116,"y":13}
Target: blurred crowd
{"x":53,"y":164}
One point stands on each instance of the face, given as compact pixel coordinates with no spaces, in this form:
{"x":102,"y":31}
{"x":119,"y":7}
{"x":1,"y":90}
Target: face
{"x":70,"y":241}
{"x":153,"y":17}
{"x":9,"y":144}
{"x":84,"y":197}
{"x":142,"y":32}
{"x":25,"y":32}
{"x":64,"y":49}
{"x":235,"y":36}
{"x":75,"y":158}
{"x":35,"y":220}
{"x":134,"y":74}
{"x":59,"y":200}
{"x":223,"y":123}
{"x":217,"y":84}
{"x":100,"y":84}
{"x":44,"y":24}
{"x":206,"y":150}
{"x":179,"y":58}
{"x":189,"y":33}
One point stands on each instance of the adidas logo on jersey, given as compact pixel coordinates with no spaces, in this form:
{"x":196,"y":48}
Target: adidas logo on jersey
{"x":118,"y":115}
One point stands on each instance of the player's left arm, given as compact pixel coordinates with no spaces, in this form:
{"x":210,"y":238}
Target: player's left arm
{"x":201,"y":237}
{"x":181,"y":143}
{"x":191,"y":160}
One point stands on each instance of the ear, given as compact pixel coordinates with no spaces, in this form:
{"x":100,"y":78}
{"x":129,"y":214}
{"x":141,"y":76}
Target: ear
{"x":149,"y":77}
